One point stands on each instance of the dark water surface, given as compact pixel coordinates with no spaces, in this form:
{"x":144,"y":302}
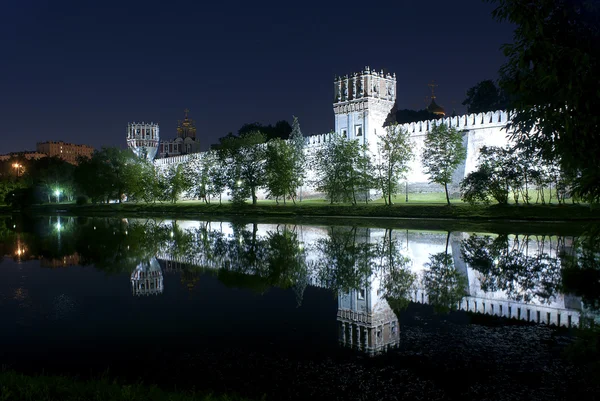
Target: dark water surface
{"x":299,"y":311}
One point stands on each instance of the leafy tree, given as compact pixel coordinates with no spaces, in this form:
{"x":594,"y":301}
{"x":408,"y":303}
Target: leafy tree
{"x":175,"y":181}
{"x":485,"y":96}
{"x":149,"y":182}
{"x":216,"y":171}
{"x":50,"y":174}
{"x":340,"y":168}
{"x":442,"y":154}
{"x":192,"y":168}
{"x":493,"y":177}
{"x":394,"y":152}
{"x":279,"y":170}
{"x":245,"y":159}
{"x":551,"y":77}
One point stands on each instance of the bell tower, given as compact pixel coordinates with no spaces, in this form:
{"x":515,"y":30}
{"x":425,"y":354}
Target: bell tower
{"x":362,"y":103}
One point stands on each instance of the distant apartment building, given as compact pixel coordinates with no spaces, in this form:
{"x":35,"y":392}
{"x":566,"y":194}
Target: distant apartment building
{"x":68,"y":152}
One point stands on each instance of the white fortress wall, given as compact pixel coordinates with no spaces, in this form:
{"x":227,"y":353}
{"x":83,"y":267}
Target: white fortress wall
{"x":481,"y":129}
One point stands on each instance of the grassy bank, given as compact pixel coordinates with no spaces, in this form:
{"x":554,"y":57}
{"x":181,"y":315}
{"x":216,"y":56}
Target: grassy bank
{"x":16,"y":386}
{"x":568,"y":212}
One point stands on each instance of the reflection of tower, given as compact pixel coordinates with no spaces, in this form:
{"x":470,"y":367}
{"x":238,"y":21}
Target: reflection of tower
{"x":142,"y":139}
{"x":367,"y":322}
{"x":147,"y":278}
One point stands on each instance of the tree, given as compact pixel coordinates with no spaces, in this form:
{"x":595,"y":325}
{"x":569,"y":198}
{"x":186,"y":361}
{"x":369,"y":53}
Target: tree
{"x":217,"y":175}
{"x":279,"y":170}
{"x":552,"y":80}
{"x":340,"y":167}
{"x":394,"y":152}
{"x":175,"y":181}
{"x":108,"y":166}
{"x":483,"y":97}
{"x":245,"y":160}
{"x":443,"y":152}
{"x":495,"y":176}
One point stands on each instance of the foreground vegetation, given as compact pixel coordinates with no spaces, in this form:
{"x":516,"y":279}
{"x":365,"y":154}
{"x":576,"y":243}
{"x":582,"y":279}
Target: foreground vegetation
{"x":16,"y":386}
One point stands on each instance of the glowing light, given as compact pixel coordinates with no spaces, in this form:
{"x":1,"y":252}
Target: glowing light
{"x":172,"y":234}
{"x":58,"y":226}
{"x":239,"y":183}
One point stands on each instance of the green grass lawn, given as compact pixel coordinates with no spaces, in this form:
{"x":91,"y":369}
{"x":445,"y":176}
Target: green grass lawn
{"x":19,"y":387}
{"x":419,"y":206}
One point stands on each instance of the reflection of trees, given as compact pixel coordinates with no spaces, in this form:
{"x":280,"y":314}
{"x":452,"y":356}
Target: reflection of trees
{"x":397,"y":280}
{"x":285,"y":259}
{"x":346,"y":263}
{"x":508,"y":266}
{"x":444,"y":284}
{"x":581,"y":272}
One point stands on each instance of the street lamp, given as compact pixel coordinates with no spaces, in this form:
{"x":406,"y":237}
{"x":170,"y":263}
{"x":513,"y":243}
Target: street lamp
{"x":18,"y":167}
{"x":57,"y":193}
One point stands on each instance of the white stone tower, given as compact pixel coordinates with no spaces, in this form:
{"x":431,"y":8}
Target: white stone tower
{"x":362,"y":103}
{"x":143,"y":139}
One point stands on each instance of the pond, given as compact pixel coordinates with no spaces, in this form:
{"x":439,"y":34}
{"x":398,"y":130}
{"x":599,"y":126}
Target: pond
{"x":292,"y":311}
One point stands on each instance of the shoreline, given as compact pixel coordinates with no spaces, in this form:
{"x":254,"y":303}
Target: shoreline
{"x":458,"y":217}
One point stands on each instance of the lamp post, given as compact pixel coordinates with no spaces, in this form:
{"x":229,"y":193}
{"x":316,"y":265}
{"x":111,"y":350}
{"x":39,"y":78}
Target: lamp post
{"x":57,"y":193}
{"x":18,"y":167}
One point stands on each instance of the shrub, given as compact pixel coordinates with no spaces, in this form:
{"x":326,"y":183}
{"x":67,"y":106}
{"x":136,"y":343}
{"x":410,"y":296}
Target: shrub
{"x":81,"y":200}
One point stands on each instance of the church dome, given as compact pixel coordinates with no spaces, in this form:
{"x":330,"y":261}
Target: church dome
{"x":435,"y":108}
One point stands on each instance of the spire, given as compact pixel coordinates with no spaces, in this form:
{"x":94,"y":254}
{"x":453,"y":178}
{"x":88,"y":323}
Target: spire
{"x":432,"y":85}
{"x":186,"y":111}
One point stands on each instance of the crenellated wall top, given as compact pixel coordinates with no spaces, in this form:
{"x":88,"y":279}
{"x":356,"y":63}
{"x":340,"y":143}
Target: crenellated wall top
{"x":467,"y":121}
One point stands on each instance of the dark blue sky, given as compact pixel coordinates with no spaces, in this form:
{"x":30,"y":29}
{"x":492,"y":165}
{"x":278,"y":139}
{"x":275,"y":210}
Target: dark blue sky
{"x":78,"y":71}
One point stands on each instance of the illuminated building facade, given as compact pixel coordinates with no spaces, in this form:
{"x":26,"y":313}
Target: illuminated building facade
{"x":68,"y":152}
{"x":186,"y":141}
{"x":143,"y":139}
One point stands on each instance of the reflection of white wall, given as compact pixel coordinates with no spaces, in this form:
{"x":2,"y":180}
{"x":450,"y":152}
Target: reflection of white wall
{"x":418,"y":246}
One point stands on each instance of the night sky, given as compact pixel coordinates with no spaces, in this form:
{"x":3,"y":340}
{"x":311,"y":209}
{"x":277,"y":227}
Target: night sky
{"x":79,"y":71}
